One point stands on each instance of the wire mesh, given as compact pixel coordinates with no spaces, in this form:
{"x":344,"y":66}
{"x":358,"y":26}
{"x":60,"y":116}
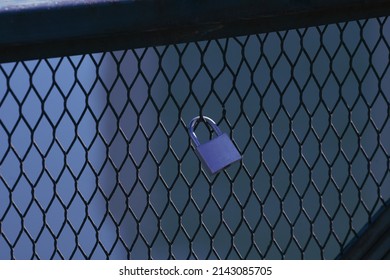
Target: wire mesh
{"x":96,"y":162}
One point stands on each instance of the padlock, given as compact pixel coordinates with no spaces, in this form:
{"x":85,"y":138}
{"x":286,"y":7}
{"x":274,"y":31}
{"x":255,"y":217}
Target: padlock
{"x":216,"y":154}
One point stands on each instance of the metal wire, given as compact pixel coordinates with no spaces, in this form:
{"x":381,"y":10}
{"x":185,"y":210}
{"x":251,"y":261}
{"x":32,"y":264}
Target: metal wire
{"x":96,"y":162}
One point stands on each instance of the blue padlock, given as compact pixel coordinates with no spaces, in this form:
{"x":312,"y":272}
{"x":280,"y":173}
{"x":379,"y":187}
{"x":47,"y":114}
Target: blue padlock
{"x":216,"y":154}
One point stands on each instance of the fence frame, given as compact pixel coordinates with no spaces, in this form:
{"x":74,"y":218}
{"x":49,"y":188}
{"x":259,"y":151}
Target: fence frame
{"x":44,"y":28}
{"x":374,"y":243}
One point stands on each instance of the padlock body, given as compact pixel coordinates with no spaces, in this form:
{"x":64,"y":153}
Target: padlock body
{"x":217,"y":154}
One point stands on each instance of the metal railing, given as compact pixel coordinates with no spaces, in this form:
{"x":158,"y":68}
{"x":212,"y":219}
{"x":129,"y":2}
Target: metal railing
{"x":96,"y":161}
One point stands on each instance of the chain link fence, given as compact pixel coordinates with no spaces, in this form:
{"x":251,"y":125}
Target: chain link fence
{"x":96,"y":161}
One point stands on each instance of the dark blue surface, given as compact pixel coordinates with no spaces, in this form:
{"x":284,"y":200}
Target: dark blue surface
{"x":38,"y":29}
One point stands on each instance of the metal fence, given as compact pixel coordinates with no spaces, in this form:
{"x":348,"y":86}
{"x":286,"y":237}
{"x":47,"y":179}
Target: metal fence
{"x":96,"y":161}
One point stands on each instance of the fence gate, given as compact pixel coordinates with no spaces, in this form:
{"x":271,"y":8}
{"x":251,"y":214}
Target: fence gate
{"x":96,"y":161}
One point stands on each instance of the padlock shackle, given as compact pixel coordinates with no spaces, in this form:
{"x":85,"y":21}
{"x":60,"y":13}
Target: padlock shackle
{"x":195,"y":121}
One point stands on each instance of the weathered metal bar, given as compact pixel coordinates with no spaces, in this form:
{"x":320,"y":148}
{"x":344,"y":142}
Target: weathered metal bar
{"x":374,"y":243}
{"x":42,"y":28}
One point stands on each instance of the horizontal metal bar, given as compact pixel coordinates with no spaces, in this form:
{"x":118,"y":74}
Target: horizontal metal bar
{"x":374,"y":243}
{"x":42,"y":28}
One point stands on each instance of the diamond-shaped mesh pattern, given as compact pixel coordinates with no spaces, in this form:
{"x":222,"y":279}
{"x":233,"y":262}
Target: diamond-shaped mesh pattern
{"x":96,"y":162}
